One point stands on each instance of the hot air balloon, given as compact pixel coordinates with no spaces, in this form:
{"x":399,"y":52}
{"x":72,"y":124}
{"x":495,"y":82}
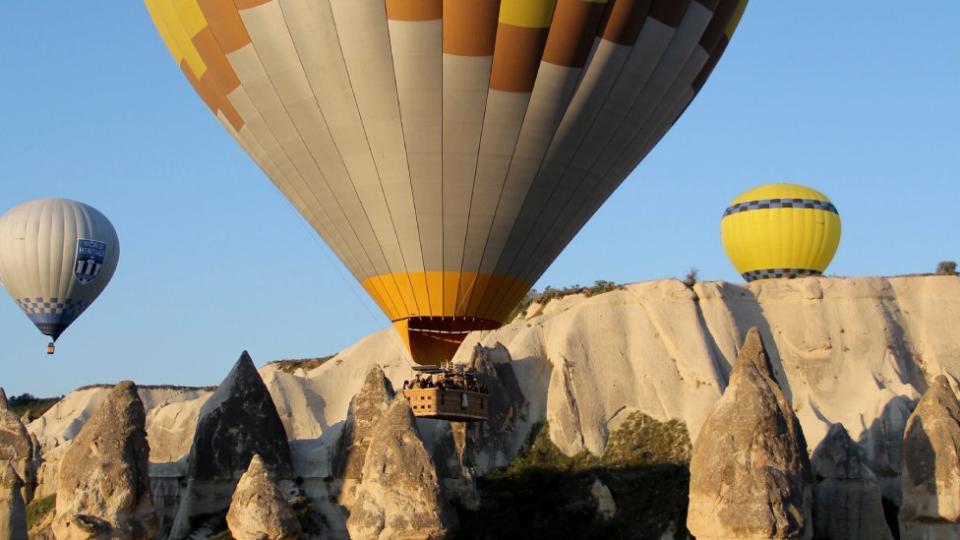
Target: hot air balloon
{"x":447,"y":150}
{"x":780,"y":231}
{"x":56,"y":257}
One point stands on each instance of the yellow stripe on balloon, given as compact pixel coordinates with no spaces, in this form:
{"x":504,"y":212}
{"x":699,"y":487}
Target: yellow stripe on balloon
{"x":164,"y":31}
{"x":527,"y":13}
{"x":182,"y":20}
{"x":393,"y":293}
{"x":735,"y":19}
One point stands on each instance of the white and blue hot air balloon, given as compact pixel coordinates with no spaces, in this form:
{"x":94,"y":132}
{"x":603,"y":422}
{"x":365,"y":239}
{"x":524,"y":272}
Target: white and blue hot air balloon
{"x":56,"y":257}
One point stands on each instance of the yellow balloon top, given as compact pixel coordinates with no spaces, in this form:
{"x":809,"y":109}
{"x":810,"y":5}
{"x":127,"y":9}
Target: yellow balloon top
{"x":780,"y":230}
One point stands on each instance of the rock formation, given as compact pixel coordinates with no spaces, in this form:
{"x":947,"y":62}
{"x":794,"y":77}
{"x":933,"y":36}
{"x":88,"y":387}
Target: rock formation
{"x":236,"y":422}
{"x":104,"y":487}
{"x":484,"y":445}
{"x":13,"y":513}
{"x":657,"y":348}
{"x":931,"y":466}
{"x":847,"y":499}
{"x":366,"y":410}
{"x":606,"y":506}
{"x":399,"y":493}
{"x":16,"y":447}
{"x":258,"y":510}
{"x":749,"y":474}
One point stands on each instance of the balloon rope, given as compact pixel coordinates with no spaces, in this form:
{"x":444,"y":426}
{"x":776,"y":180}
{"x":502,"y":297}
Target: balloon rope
{"x":350,"y":282}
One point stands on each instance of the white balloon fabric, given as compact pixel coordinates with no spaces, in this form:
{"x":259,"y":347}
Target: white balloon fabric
{"x":56,"y":257}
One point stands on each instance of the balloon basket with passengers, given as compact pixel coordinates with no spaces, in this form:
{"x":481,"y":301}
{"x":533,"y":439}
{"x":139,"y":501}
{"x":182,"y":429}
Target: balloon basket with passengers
{"x":448,"y":392}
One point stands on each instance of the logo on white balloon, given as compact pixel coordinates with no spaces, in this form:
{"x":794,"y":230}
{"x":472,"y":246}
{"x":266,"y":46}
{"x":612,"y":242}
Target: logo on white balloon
{"x":90,"y":257}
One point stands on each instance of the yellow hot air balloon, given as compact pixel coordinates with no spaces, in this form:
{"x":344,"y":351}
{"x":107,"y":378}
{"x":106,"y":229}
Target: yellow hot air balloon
{"x":447,"y":150}
{"x":780,"y":230}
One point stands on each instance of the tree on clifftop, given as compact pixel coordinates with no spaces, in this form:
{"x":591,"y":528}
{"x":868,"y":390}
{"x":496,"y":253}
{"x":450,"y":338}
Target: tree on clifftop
{"x":948,"y":268}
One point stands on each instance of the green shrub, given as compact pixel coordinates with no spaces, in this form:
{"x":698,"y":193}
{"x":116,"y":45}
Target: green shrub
{"x":545,"y":494}
{"x":33,"y":407}
{"x":947,"y":268}
{"x":599,"y":286}
{"x":38,"y":509}
{"x":290,"y":366}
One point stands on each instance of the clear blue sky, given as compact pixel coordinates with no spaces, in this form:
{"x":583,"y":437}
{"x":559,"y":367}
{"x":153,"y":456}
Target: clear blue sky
{"x":856,"y":98}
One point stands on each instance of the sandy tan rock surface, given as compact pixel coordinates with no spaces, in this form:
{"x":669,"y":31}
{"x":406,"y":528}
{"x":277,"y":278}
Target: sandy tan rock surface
{"x":259,"y":510}
{"x":365,"y":412}
{"x":13,"y":511}
{"x":171,"y":420}
{"x":931,"y":466}
{"x":750,"y":475}
{"x":103,"y":486}
{"x":399,"y":492}
{"x":17,"y":448}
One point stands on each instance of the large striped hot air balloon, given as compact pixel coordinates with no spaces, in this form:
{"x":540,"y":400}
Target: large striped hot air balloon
{"x":780,"y":231}
{"x":447,"y":150}
{"x":56,"y":257}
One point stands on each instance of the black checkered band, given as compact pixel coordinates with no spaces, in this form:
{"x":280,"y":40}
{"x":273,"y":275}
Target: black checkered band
{"x":51,"y":306}
{"x":775,"y":273}
{"x":766,"y":204}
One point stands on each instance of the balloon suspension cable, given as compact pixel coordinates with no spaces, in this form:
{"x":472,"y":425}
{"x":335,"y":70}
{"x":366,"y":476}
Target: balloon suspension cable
{"x":348,"y":281}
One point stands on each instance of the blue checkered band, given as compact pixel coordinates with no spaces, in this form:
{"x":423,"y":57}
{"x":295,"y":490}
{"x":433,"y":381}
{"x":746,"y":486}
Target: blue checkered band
{"x":775,"y":273}
{"x":765,"y":204}
{"x":52,"y":315}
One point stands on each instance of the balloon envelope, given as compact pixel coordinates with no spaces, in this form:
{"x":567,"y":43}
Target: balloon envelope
{"x":56,"y":257}
{"x":447,"y":150}
{"x":780,"y":230}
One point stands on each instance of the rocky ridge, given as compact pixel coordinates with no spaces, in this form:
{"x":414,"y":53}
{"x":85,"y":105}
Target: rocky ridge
{"x":856,"y":351}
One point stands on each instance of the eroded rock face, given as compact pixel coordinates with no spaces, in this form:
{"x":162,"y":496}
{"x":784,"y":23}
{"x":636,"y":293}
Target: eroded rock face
{"x":847,"y":501}
{"x":103,"y":489}
{"x":399,"y":493}
{"x":16,"y":448}
{"x":366,"y":410}
{"x":750,"y":475}
{"x":236,"y":422}
{"x":483,"y":445}
{"x":259,"y":510}
{"x":13,"y":513}
{"x":931,"y":466}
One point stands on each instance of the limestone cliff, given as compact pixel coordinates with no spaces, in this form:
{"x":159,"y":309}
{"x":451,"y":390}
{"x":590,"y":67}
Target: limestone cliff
{"x":854,"y":351}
